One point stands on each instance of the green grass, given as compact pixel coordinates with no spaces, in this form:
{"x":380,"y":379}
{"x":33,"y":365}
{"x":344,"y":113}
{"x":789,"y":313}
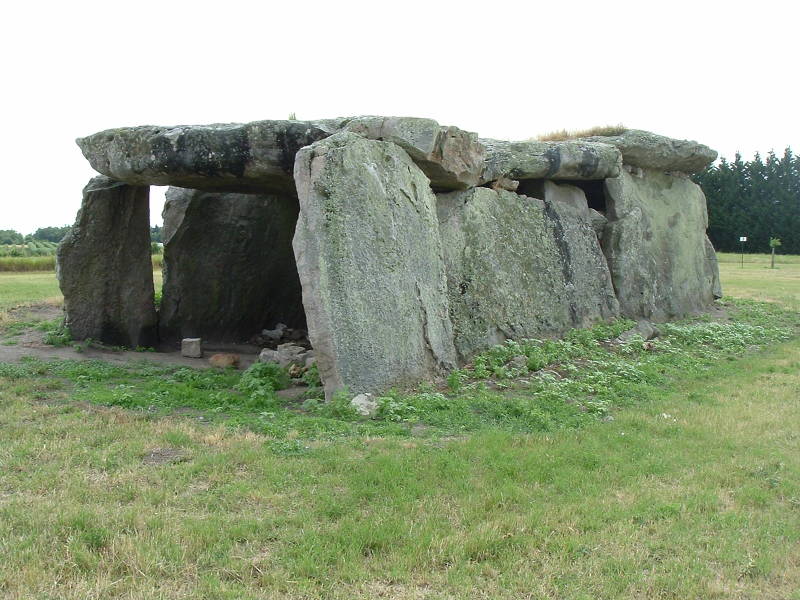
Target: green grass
{"x":757,"y":261}
{"x":20,"y":289}
{"x":17,"y":289}
{"x":27,"y":263}
{"x":136,"y":481}
{"x":755,"y":280}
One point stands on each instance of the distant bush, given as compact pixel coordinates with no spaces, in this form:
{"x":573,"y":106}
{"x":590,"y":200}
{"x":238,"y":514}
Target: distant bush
{"x":30,"y":248}
{"x":10,"y":236}
{"x":51,"y":234}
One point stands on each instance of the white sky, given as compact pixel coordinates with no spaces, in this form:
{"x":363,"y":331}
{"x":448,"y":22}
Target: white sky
{"x":723,"y":73}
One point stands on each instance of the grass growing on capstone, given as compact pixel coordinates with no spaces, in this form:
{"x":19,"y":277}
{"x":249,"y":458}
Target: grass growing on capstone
{"x":690,"y":492}
{"x":571,"y":134}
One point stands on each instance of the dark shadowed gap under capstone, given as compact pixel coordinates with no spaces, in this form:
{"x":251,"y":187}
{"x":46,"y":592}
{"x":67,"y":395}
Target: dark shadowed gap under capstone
{"x":593,"y":190}
{"x":229,"y":267}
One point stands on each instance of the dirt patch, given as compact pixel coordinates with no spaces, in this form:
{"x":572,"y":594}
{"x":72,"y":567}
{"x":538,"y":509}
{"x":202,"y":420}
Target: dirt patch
{"x":36,"y":312}
{"x":30,"y":343}
{"x":37,"y":349}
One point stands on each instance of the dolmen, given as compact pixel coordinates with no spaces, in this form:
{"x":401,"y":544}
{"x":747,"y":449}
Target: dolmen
{"x":403,"y":246}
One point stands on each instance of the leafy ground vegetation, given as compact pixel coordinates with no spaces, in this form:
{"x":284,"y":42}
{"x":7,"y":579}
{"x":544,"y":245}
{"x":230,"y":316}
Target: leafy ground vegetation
{"x":574,"y":468}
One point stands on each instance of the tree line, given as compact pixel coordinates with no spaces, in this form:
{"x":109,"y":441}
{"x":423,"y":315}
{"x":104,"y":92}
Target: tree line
{"x":53,"y":234}
{"x":43,"y":234}
{"x":757,"y":199}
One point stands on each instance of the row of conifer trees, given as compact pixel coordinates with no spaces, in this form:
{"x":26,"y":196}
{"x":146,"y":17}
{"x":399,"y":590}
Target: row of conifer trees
{"x":758,"y":199}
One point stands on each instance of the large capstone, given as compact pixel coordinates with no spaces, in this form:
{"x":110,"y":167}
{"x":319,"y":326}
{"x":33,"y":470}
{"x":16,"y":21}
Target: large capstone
{"x":370,"y":262}
{"x":521,"y":267}
{"x":571,"y":159}
{"x":656,"y":245}
{"x":652,"y":151}
{"x":259,"y":156}
{"x":104,"y":268}
{"x":229,"y":268}
{"x":250,"y":157}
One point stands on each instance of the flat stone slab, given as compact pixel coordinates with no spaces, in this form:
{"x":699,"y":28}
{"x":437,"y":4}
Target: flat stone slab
{"x":259,"y":156}
{"x":652,"y":151}
{"x":245,"y":157}
{"x":571,"y":159}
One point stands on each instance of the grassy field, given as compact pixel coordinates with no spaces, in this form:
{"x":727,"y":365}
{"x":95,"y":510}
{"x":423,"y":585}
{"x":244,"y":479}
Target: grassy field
{"x":19,"y":264}
{"x":757,"y":281}
{"x":18,"y":289}
{"x":672,"y":472}
{"x":27,"y":263}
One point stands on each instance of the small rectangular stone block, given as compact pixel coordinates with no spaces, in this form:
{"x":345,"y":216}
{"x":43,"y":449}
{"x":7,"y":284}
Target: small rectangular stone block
{"x":192,"y":347}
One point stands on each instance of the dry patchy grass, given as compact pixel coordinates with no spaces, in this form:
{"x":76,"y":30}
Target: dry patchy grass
{"x":571,"y":134}
{"x":755,"y":280}
{"x":694,"y":494}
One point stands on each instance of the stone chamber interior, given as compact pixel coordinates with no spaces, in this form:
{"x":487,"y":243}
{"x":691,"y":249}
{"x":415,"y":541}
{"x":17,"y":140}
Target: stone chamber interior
{"x":229,"y":271}
{"x":594,"y":190}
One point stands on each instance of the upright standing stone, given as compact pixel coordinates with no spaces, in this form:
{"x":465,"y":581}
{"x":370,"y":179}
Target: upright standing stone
{"x":656,"y":245}
{"x":370,"y":261}
{"x":104,"y":266}
{"x":229,"y":268}
{"x":521,"y":267}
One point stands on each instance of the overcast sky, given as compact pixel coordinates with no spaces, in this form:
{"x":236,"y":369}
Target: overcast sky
{"x":723,"y":73}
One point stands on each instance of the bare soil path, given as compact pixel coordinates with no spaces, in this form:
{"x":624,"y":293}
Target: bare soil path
{"x":28,"y":342}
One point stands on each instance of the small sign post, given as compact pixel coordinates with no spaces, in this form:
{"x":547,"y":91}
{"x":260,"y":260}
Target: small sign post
{"x":742,"y":240}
